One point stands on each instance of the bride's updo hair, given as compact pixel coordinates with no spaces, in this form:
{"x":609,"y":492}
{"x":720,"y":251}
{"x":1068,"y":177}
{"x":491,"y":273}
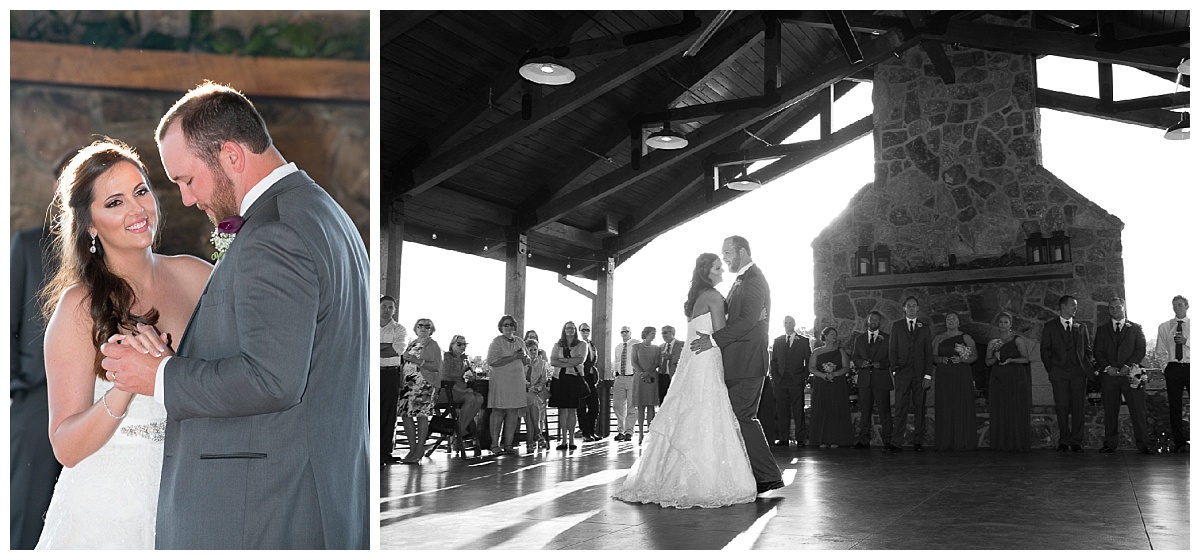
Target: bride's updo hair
{"x":700,"y":281}
{"x":111,"y":298}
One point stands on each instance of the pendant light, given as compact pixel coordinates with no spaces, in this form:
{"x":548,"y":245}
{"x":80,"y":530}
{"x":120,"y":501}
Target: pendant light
{"x":547,"y":71}
{"x":667,"y":139}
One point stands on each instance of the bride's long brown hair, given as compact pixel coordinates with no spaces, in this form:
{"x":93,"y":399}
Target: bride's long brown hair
{"x":111,"y":297}
{"x":700,"y":281}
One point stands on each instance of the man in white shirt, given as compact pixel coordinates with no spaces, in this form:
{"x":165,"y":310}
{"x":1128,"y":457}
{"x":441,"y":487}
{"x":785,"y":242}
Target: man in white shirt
{"x":623,"y":387}
{"x":392,"y":338}
{"x":1174,"y":351}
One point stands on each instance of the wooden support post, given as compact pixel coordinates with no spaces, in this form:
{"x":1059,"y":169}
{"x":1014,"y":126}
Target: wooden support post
{"x":391,"y":246}
{"x":827,"y":113}
{"x":602,"y":336}
{"x":517,"y":249}
{"x":1105,"y":72}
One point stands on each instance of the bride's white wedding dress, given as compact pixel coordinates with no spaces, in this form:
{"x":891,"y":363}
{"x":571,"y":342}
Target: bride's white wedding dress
{"x":694,"y":455}
{"x":109,"y":499}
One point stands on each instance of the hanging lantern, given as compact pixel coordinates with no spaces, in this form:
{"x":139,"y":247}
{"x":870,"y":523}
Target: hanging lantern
{"x":883,"y":260}
{"x":863,"y":265}
{"x":1059,"y":247}
{"x":1035,"y":249}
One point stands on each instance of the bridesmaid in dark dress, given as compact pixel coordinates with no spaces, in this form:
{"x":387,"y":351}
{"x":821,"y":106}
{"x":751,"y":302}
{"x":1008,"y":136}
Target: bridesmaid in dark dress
{"x":954,"y":389}
{"x":1010,"y":392}
{"x":829,"y":366}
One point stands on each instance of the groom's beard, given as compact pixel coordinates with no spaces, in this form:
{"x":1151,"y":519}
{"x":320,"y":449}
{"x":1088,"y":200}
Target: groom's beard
{"x":224,"y":201}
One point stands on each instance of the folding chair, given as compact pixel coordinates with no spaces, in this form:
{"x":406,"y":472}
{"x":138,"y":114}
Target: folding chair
{"x":444,"y":423}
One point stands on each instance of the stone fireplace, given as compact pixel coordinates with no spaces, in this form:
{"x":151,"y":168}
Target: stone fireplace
{"x":959,"y":186}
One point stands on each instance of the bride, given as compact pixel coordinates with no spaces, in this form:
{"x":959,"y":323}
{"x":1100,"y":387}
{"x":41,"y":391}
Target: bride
{"x":695,"y":455}
{"x":108,"y":280}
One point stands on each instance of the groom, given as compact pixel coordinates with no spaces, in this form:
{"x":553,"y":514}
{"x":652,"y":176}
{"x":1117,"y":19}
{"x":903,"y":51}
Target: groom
{"x":743,"y":344}
{"x":266,"y":397}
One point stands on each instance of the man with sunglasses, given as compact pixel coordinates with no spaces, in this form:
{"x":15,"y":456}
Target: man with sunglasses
{"x":623,"y":387}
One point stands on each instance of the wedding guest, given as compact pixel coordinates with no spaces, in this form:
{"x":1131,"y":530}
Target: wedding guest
{"x":910,"y":351}
{"x":33,"y":468}
{"x":870,"y":354}
{"x":789,"y":374}
{"x":537,"y":389}
{"x":669,"y":360}
{"x":1119,"y":349}
{"x":954,"y":389}
{"x":623,"y":387}
{"x":506,"y":388}
{"x":392,"y":343}
{"x":1010,"y":393}
{"x":456,"y":369}
{"x":1174,"y":349}
{"x":589,"y":406}
{"x":830,"y":393}
{"x":1067,"y":354}
{"x":532,"y":335}
{"x":422,"y":367}
{"x":568,"y":388}
{"x":645,"y":369}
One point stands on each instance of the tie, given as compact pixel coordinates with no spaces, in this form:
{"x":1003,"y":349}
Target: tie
{"x":1070,"y":338}
{"x":912,"y":325}
{"x":1179,"y":346}
{"x":1118,"y":328}
{"x":871,"y":338}
{"x":789,"y":341}
{"x":624,"y":354}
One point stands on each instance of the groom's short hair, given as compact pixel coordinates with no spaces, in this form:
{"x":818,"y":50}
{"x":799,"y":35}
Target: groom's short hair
{"x":212,"y":114}
{"x":740,"y":242}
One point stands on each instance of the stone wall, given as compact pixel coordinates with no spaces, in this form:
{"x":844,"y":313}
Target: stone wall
{"x":329,"y":140}
{"x":958,"y":179}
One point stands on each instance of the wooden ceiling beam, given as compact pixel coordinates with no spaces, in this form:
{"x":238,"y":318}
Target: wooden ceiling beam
{"x":504,"y":84}
{"x":393,"y":24}
{"x":821,"y":78}
{"x":634,"y":61}
{"x":697,"y":205}
{"x":1090,"y":107}
{"x":1032,"y":41}
{"x":1177,"y":100}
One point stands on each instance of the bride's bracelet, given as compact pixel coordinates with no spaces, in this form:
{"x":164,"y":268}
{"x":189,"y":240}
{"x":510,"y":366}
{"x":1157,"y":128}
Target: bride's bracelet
{"x":104,"y":401}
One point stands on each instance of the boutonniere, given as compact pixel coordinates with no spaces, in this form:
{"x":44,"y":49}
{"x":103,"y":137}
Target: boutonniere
{"x":223,"y":236}
{"x":736,"y":283}
{"x":920,"y":324}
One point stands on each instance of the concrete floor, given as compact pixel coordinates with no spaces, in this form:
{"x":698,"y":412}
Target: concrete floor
{"x":835,"y":499}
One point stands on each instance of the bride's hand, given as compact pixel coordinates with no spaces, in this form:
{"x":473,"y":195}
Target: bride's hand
{"x":147,"y":341}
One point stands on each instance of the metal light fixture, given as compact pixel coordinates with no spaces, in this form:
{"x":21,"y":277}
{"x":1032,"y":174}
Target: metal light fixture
{"x":1059,"y":247}
{"x":667,"y":139}
{"x":1181,"y":130}
{"x":862,"y":262}
{"x":547,"y":71}
{"x":1185,"y":67}
{"x":1035,"y":249}
{"x":883,"y":260}
{"x":744,"y":182}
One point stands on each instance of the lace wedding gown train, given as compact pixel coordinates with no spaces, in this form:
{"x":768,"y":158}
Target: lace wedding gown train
{"x":694,"y":455}
{"x":109,"y":499}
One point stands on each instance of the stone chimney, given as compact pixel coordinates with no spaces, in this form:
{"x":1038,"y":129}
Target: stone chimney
{"x":959,"y":186}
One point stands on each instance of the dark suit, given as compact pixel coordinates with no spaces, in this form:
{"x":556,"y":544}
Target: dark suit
{"x":789,"y":373}
{"x":1121,"y":350}
{"x":911,"y":358}
{"x":874,"y":385}
{"x":743,"y":344}
{"x":666,"y":369}
{"x":589,"y":405}
{"x":267,"y":412}
{"x":32,"y":466}
{"x":1068,"y":361}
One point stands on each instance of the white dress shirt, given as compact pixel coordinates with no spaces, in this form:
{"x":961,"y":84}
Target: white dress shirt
{"x":396,"y":334}
{"x":1165,"y":347}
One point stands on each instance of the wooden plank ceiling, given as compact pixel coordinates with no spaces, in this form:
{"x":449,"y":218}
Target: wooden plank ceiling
{"x":465,"y":163}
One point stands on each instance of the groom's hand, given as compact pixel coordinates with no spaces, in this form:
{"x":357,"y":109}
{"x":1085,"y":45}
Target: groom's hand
{"x":129,"y":368}
{"x":702,"y":343}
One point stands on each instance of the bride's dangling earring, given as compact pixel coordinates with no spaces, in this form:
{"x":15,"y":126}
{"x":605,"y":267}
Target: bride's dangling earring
{"x":92,"y":250}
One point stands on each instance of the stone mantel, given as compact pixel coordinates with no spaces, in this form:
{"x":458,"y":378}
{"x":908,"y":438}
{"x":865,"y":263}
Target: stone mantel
{"x":971,"y":276}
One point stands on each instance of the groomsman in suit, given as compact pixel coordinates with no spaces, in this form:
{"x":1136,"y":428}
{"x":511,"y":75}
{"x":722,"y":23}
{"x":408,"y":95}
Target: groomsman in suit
{"x":1174,"y":349}
{"x":870,"y":355}
{"x":623,"y":387}
{"x":1121,"y":345}
{"x":789,"y":372}
{"x":589,"y":406}
{"x":669,"y":352}
{"x":1067,"y":354}
{"x":910,"y":353}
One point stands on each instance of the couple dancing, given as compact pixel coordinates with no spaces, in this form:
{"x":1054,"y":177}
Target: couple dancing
{"x":706,"y":448}
{"x":241,"y":387}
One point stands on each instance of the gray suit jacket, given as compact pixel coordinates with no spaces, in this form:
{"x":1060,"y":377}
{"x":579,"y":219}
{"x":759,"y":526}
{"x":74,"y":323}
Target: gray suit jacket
{"x":267,"y":411}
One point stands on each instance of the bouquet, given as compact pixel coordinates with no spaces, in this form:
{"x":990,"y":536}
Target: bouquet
{"x":829,"y":367}
{"x":995,"y":344}
{"x":1136,"y":376}
{"x":962,"y":350}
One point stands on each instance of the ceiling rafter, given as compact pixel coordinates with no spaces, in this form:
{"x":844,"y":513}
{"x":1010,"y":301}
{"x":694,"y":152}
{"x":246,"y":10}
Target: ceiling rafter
{"x":821,"y":78}
{"x":633,"y":61}
{"x":1091,"y":107}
